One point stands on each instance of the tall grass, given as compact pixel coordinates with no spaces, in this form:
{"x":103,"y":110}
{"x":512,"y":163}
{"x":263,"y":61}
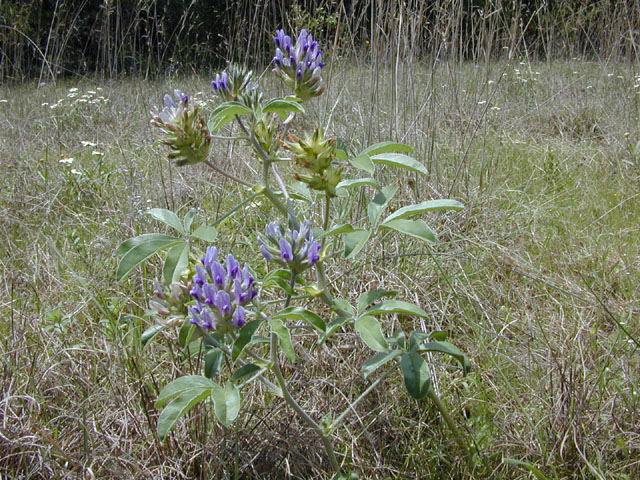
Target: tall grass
{"x":147,"y":37}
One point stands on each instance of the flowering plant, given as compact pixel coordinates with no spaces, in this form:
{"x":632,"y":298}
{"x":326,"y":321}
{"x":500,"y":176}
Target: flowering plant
{"x":221,"y":307}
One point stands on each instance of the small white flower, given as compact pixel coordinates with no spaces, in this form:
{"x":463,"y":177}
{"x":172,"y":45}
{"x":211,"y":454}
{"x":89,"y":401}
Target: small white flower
{"x":76,"y":172}
{"x":4,"y":100}
{"x":496,"y":108}
{"x":86,"y":143}
{"x":73,"y":89}
{"x":97,"y":153}
{"x":67,"y":161}
{"x":482,"y":102}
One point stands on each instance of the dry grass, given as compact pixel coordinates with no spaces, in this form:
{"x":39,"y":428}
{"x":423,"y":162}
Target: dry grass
{"x":533,"y":281}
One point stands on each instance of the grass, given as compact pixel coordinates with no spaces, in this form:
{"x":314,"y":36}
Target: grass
{"x":536,"y":280}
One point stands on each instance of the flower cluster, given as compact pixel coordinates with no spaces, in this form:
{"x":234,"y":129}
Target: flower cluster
{"x":295,"y":249}
{"x":234,"y":84}
{"x":300,"y":65}
{"x":183,"y":130}
{"x":316,"y":153}
{"x":221,"y":292}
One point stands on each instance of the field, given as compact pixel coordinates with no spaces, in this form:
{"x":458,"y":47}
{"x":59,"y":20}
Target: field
{"x":536,"y":280}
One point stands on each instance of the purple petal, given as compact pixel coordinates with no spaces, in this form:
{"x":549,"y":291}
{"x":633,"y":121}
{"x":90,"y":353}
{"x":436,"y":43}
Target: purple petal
{"x":223,"y":302}
{"x":285,"y":250}
{"x":238,"y":317}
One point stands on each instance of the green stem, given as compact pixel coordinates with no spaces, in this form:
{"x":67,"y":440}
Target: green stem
{"x":327,"y":198}
{"x":433,"y":396}
{"x":326,"y":440}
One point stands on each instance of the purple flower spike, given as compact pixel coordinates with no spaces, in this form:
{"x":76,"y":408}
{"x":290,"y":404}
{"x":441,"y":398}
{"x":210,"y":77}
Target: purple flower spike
{"x":219,"y":274}
{"x":233,"y":267}
{"x":286,"y":253}
{"x":313,"y":252}
{"x":209,"y":294}
{"x":223,"y":302}
{"x":200,"y":277}
{"x":238,"y":317}
{"x":168,"y":101}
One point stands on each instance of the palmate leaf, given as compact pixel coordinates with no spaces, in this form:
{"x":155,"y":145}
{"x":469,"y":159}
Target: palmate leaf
{"x":399,"y":160}
{"x":379,"y":359}
{"x":181,"y":385}
{"x":284,"y":338}
{"x":396,"y":306}
{"x":384,"y":147}
{"x":136,"y":250}
{"x":205,"y":233}
{"x":282,"y":106}
{"x":416,"y":374}
{"x":226,"y":403}
{"x":354,"y":242}
{"x":380,"y":202}
{"x":367,"y":298}
{"x":299,"y":313}
{"x":167,"y":217}
{"x":225,"y":113}
{"x":371,"y":333}
{"x":423,"y":207}
{"x":179,"y":406}
{"x":414,"y":228}
{"x":175,"y":262}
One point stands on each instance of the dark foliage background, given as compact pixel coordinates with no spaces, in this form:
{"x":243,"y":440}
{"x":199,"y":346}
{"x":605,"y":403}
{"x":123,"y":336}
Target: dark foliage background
{"x":49,"y":38}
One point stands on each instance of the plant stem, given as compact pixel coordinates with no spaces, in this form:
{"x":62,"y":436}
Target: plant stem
{"x":327,"y":199}
{"x":433,"y":396}
{"x":326,"y":440}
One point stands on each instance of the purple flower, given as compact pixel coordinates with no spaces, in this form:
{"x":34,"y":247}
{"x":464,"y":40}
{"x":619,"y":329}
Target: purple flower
{"x":221,"y":293}
{"x":295,"y":249}
{"x":286,"y":253}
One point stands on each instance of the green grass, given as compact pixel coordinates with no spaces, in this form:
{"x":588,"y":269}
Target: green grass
{"x":532,"y":280}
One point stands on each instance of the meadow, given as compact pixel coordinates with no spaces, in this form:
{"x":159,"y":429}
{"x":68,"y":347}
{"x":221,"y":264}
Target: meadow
{"x":536,"y":280}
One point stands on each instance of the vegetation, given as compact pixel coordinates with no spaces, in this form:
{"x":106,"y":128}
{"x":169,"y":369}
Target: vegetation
{"x":536,"y":280}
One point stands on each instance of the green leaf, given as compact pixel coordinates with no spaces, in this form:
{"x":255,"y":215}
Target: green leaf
{"x":367,"y":298}
{"x":379,"y":359}
{"x":303,"y":314}
{"x":167,"y":217}
{"x":357,"y":182}
{"x":205,"y":233}
{"x":333,"y":327}
{"x":142,"y":251}
{"x":416,"y":374}
{"x":339,"y":230}
{"x":354,"y":242}
{"x":213,"y":362}
{"x":449,"y":349}
{"x":130,"y":243}
{"x":423,"y":207}
{"x":399,"y":160}
{"x":398,"y":339}
{"x":414,"y":228}
{"x":181,"y":385}
{"x":284,"y":338}
{"x":384,"y":147}
{"x":396,"y":306}
{"x":175,"y":262}
{"x":150,"y":333}
{"x":178,"y":407}
{"x":226,"y":403}
{"x":282,"y":106}
{"x":380,"y":202}
{"x":371,"y":333}
{"x":188,"y":219}
{"x":300,"y":191}
{"x":248,"y":370}
{"x":281,"y":278}
{"x":225,"y":113}
{"x":363,"y":162}
{"x":342,"y":304}
{"x":244,"y":337}
{"x":185,"y":333}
